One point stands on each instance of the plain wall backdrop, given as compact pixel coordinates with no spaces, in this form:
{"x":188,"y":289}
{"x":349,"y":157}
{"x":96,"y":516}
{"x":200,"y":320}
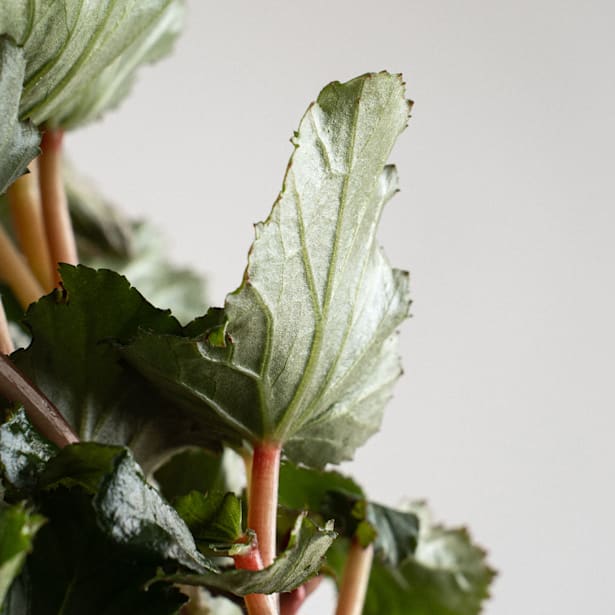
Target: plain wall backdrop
{"x":504,"y":417}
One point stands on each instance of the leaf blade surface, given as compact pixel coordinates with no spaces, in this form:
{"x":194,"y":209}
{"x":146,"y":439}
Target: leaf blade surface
{"x":308,"y":353}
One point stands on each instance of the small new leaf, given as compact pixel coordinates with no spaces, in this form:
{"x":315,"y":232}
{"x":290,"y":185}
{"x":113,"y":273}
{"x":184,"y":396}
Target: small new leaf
{"x":18,"y":140}
{"x":301,"y":560}
{"x":214,"y":519}
{"x":310,"y":356}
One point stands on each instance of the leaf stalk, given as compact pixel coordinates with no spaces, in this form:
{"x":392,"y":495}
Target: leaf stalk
{"x":356,"y":577}
{"x":6,"y":343}
{"x":257,"y":604}
{"x":27,"y":216}
{"x":58,"y":226}
{"x":45,"y":417}
{"x":14,"y":271}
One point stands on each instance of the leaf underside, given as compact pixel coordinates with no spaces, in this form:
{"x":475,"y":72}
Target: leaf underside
{"x":18,"y":140}
{"x":81,"y":56}
{"x":301,"y":560}
{"x":305,"y":352}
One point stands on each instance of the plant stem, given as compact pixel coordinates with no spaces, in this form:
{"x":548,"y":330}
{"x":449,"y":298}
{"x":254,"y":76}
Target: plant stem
{"x":291,"y":602}
{"x":44,"y":415}
{"x":27,"y":214}
{"x":16,"y":273}
{"x":257,"y":604}
{"x":6,"y":343}
{"x":58,"y":226}
{"x":356,"y":576}
{"x":263,"y":498}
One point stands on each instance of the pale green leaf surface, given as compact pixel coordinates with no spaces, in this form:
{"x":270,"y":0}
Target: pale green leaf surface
{"x":311,"y":355}
{"x":81,"y":55}
{"x":301,"y":560}
{"x":18,"y":140}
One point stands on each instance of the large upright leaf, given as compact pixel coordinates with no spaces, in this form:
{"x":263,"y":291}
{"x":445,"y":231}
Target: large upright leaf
{"x":305,"y":351}
{"x":18,"y":140}
{"x":73,"y":360}
{"x":81,"y":55}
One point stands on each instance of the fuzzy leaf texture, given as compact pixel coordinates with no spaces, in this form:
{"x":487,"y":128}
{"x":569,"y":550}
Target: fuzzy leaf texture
{"x":305,"y":352}
{"x":81,"y":56}
{"x":73,"y":360}
{"x":18,"y":140}
{"x":301,"y":560}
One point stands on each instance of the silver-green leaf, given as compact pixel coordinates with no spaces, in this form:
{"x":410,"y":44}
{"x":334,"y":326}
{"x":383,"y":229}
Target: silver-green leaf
{"x":18,"y":140}
{"x":301,"y":560}
{"x":81,"y":56}
{"x":307,"y":355}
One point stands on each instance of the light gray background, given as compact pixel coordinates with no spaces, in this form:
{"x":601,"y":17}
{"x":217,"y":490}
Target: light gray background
{"x":504,"y":418}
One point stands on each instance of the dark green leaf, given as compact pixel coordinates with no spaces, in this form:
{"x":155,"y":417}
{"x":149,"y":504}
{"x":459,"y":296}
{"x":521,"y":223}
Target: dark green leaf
{"x":17,"y":529}
{"x":72,"y":360}
{"x":128,"y":509}
{"x":334,"y":496}
{"x":213,"y":518}
{"x":81,"y":56}
{"x":18,"y":140}
{"x":23,"y":452}
{"x":307,"y":489}
{"x":192,"y":470}
{"x":308,"y":355}
{"x":301,"y":560}
{"x":75,"y":569}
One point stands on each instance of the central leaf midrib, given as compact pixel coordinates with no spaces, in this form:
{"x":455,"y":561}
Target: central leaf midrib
{"x":317,"y":339}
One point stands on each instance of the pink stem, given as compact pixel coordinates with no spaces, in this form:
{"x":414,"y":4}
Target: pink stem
{"x":263,"y":498}
{"x":257,"y":604}
{"x":58,"y":226}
